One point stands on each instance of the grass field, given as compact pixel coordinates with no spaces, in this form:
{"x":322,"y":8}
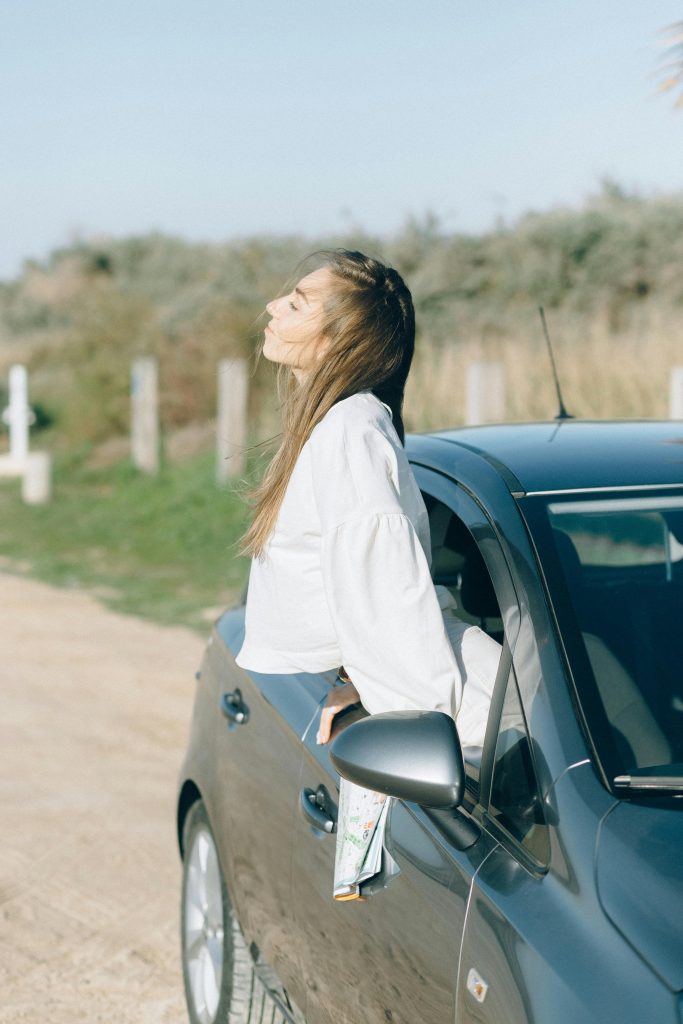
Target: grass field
{"x":156,"y":547}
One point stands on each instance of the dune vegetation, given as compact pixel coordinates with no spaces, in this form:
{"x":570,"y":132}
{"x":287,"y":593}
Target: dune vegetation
{"x":608,"y":275}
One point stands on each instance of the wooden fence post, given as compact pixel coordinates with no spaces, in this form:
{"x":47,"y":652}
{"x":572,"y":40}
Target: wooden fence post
{"x":484,"y":393}
{"x":231,"y":419}
{"x":676,"y":393}
{"x":145,"y":415}
{"x":36,"y":480}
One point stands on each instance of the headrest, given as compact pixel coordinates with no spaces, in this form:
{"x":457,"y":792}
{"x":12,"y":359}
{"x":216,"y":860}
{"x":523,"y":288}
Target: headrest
{"x":476,"y":590}
{"x":456,"y":558}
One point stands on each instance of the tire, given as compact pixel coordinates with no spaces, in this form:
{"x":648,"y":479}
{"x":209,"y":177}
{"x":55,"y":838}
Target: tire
{"x":222,"y":983}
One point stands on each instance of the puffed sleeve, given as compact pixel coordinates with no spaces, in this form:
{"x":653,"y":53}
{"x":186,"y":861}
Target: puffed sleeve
{"x":376,"y":577}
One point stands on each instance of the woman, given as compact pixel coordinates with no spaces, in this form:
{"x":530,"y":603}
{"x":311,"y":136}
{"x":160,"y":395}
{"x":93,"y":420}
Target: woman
{"x":340,"y":573}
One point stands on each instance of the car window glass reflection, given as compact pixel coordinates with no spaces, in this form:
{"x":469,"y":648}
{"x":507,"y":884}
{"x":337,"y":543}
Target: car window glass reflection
{"x":515,"y":801}
{"x":622,"y":563}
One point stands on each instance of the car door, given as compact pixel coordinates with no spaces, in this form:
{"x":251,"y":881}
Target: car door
{"x":262,"y":720}
{"x":538,"y":946}
{"x":508,"y":895}
{"x":395,"y":956}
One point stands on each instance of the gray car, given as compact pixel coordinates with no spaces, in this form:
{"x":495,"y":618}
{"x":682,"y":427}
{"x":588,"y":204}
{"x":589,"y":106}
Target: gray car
{"x":541,"y":878}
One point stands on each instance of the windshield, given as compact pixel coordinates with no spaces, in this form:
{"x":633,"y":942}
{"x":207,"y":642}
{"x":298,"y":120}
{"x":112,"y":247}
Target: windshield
{"x":615,"y":574}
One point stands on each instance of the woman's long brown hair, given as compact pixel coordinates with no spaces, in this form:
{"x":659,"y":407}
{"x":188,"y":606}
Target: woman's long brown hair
{"x":369,"y":320}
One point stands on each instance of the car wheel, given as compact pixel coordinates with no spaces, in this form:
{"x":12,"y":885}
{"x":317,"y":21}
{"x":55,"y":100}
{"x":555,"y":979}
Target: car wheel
{"x":222,"y":983}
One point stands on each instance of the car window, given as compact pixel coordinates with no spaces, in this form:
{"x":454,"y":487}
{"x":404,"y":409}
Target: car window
{"x":515,"y":803}
{"x":474,"y":624}
{"x":622,"y":565}
{"x":458,"y":564}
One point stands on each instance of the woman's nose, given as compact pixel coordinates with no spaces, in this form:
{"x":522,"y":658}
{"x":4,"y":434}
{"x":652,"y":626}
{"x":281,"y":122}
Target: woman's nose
{"x":270,"y":307}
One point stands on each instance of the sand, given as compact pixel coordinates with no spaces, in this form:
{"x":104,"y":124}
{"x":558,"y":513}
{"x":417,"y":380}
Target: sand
{"x":95,"y":717}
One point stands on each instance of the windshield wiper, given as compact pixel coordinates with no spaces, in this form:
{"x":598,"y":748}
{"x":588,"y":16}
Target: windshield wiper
{"x":663,"y":778}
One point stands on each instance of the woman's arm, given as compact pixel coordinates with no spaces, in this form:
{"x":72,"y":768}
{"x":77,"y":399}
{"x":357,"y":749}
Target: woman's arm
{"x":338,"y":698}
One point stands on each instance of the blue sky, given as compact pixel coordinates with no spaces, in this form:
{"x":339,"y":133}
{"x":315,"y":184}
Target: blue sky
{"x":214,"y":119}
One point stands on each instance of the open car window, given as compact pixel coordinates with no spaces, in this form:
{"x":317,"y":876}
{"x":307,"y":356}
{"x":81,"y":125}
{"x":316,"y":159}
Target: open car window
{"x":475,"y":623}
{"x":458,"y":564}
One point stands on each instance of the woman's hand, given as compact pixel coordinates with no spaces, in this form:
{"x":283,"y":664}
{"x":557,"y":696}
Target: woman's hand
{"x":338,"y":698}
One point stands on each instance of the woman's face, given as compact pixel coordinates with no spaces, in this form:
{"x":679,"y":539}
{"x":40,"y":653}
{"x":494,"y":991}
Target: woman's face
{"x":293,"y":335}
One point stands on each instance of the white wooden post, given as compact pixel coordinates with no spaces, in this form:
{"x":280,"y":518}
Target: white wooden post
{"x":676,"y":393}
{"x":18,"y":416}
{"x":36,"y":481}
{"x":145,"y":415}
{"x":484,"y":393}
{"x":34,"y":468}
{"x":231,"y":419}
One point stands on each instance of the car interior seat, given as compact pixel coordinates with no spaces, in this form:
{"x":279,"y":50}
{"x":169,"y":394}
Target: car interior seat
{"x":458,"y":565}
{"x":446,"y":561}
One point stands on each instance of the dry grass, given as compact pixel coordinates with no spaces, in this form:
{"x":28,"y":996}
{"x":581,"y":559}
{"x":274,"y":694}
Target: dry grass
{"x":603,"y":374}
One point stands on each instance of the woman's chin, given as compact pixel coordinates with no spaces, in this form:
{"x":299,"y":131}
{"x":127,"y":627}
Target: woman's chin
{"x":275,"y":353}
{"x":270,"y":351}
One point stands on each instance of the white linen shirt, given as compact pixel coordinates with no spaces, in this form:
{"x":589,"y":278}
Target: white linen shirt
{"x":345,"y":577}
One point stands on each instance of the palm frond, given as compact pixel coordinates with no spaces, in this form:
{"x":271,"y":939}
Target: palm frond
{"x":671,"y":63}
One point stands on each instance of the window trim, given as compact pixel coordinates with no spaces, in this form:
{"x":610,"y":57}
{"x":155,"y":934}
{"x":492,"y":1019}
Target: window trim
{"x":473,"y":514}
{"x":493,"y":824}
{"x":464,"y":505}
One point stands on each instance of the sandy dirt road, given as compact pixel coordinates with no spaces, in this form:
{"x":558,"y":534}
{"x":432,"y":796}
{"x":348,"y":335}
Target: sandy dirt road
{"x":95,"y":716}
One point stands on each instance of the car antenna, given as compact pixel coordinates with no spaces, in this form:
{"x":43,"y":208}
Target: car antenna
{"x":563,"y":414}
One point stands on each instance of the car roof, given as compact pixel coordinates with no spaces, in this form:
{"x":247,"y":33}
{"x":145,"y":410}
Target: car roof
{"x":568,"y":454}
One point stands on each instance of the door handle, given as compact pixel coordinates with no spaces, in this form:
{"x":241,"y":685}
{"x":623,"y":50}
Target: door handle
{"x":319,"y":810}
{"x":234,"y":708}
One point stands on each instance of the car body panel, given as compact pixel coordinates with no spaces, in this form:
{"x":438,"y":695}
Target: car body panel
{"x":392,"y":958}
{"x":256,"y":765}
{"x":579,"y":454}
{"x":542,"y":943}
{"x":645,"y":905}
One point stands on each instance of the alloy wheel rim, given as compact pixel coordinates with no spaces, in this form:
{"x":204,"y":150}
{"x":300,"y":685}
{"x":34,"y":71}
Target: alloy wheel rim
{"x":204,"y":930}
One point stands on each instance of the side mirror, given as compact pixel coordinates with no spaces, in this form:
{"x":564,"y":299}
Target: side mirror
{"x":412,"y":755}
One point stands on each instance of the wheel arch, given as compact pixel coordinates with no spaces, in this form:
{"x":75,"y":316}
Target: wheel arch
{"x":189,"y":795}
